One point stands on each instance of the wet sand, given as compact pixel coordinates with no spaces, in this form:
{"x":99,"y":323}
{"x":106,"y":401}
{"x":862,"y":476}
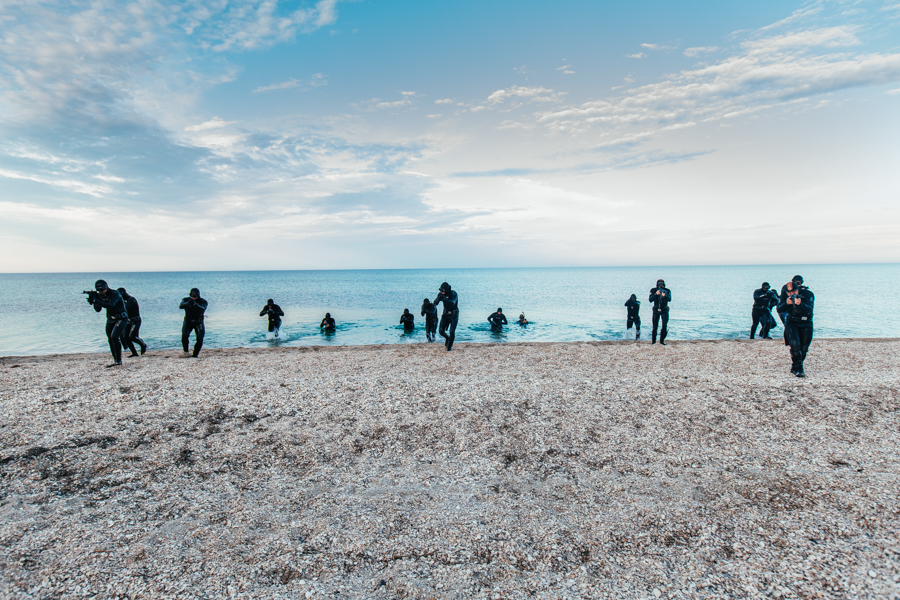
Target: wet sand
{"x":570,"y":470}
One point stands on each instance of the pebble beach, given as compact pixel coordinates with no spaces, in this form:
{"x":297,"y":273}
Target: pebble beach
{"x":701,"y":469}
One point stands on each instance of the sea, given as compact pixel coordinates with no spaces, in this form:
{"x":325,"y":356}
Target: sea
{"x":47,"y":313}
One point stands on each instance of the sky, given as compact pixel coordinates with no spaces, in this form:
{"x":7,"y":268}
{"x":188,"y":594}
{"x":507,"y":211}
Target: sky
{"x":244,"y":135}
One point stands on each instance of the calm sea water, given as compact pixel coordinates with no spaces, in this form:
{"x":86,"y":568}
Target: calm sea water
{"x":46,"y":313}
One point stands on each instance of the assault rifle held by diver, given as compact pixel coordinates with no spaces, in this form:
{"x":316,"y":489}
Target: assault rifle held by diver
{"x":92,"y":295}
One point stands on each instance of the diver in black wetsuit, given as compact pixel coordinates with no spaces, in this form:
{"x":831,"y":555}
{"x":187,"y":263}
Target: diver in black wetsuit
{"x":634,"y":316}
{"x":522,"y":320}
{"x":407,"y":320}
{"x":328,"y":324}
{"x":134,"y":324}
{"x":798,"y":303}
{"x":429,"y":311}
{"x":763,"y":300}
{"x":497,"y":320}
{"x":116,"y":317}
{"x":450,"y":316}
{"x":194,"y":308}
{"x":660,"y":296}
{"x":274,"y":312}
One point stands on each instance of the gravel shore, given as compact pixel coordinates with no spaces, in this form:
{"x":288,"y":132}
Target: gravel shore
{"x":570,"y":470}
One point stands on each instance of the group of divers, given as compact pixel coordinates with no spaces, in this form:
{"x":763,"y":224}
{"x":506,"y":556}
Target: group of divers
{"x":794,"y":307}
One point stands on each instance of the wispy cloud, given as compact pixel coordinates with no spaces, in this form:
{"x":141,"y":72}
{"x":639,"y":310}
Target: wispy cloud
{"x":768,"y":71}
{"x":566,"y":69}
{"x":317,"y":80}
{"x":698,"y":50}
{"x":531,"y":94}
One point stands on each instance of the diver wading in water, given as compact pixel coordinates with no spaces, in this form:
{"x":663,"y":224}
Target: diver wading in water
{"x":450,"y":316}
{"x":194,"y":310}
{"x":798,"y":303}
{"x":429,"y":311}
{"x":634,"y":316}
{"x":328,"y":324}
{"x":497,"y":320}
{"x":763,"y":300}
{"x":407,"y":320}
{"x":274,"y":312}
{"x":116,"y":316}
{"x":660,"y":296}
{"x":134,"y":324}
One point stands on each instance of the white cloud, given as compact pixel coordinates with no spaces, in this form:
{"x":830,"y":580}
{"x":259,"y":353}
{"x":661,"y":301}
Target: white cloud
{"x":638,"y":55}
{"x":539,"y":94}
{"x":214,"y":123}
{"x":317,"y":80}
{"x":567,"y":69}
{"x":444,"y":101}
{"x":435,"y":116}
{"x":769,"y":71}
{"x":698,"y":50}
{"x":893,"y":92}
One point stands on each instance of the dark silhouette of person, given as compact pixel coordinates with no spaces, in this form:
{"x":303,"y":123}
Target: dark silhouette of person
{"x":522,"y":320}
{"x":799,"y":303}
{"x":134,"y":324}
{"x":497,"y":320}
{"x":407,"y":320}
{"x":328,"y":325}
{"x":660,"y":296}
{"x":450,"y":316}
{"x":116,"y":317}
{"x":194,"y":313}
{"x":634,"y":316}
{"x":763,"y":300}
{"x":429,"y":311}
{"x":274,"y":312}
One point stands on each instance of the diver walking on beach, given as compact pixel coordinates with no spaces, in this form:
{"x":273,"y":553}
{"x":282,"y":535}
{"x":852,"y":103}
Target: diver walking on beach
{"x":497,"y":320}
{"x":407,"y":320}
{"x":763,"y":301}
{"x":660,"y":296}
{"x":194,"y":310}
{"x":798,"y":303}
{"x":429,"y":311}
{"x":274,"y":312}
{"x":634,"y":316}
{"x":116,"y":316}
{"x":134,"y":324}
{"x":450,"y":316}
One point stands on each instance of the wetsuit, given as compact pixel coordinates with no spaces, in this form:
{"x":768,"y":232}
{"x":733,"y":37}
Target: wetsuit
{"x":497,"y":320}
{"x":429,"y":311}
{"x":450,"y":316}
{"x":328,"y":324}
{"x":116,"y":320}
{"x":798,"y":325}
{"x":274,"y":313}
{"x":133,"y":328}
{"x":660,"y":312}
{"x":408,"y":321}
{"x":193,"y":321}
{"x":762,"y":316}
{"x":634,"y":317}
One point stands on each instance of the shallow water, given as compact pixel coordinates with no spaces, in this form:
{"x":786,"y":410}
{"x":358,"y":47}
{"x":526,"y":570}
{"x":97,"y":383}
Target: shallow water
{"x":46,"y":313}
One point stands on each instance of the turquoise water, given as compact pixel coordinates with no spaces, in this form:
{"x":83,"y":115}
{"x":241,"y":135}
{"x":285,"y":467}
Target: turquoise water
{"x":46,"y":313}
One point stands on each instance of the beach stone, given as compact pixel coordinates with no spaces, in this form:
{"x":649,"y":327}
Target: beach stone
{"x":606,"y":470}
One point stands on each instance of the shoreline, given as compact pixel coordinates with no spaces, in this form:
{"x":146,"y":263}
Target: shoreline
{"x":545,"y":470}
{"x":169,"y":353}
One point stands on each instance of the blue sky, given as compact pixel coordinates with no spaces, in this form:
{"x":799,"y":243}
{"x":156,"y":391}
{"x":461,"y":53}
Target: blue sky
{"x":301,"y":135}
